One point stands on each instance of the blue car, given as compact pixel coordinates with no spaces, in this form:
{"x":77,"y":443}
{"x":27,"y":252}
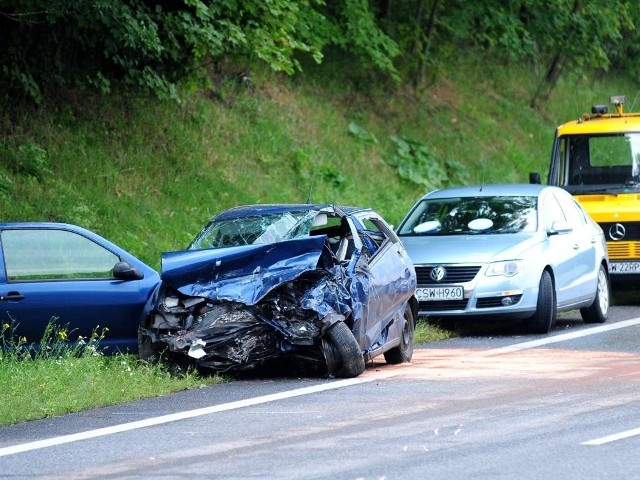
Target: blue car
{"x":316,"y":287}
{"x":64,"y":272}
{"x":520,"y":251}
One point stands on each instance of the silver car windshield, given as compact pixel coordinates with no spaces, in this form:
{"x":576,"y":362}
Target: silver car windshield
{"x":472,"y":215}
{"x":256,"y":230}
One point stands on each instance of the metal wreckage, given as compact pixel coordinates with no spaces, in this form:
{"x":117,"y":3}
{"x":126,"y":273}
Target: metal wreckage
{"x":304,"y":286}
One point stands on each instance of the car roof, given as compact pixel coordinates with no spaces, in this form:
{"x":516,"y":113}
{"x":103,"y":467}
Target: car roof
{"x":490,"y":190}
{"x":268,"y":209}
{"x":40,"y":225}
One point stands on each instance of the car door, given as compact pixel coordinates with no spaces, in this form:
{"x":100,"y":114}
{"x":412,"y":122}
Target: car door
{"x":561,"y":251}
{"x":585,"y":238}
{"x":390,"y":276}
{"x":56,"y":273}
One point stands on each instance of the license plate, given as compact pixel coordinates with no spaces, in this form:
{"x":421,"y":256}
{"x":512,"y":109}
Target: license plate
{"x":624,"y":267}
{"x":433,"y":294}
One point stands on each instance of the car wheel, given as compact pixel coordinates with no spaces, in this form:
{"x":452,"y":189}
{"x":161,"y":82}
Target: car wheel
{"x":597,"y":311}
{"x":404,"y":351}
{"x":348,"y":361}
{"x":545,"y":316}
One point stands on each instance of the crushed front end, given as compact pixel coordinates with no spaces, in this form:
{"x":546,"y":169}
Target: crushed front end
{"x":235,"y":310}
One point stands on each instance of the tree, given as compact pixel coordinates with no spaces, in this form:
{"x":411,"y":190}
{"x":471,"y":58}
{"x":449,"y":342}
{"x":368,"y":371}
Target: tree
{"x":162,"y":46}
{"x":577,"y":33}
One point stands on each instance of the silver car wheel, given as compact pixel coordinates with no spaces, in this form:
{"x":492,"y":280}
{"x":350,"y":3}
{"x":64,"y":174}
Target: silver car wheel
{"x":597,"y":311}
{"x":603,"y":292}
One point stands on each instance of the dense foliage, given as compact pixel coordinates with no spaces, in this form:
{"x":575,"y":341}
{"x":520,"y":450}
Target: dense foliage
{"x":164,"y":47}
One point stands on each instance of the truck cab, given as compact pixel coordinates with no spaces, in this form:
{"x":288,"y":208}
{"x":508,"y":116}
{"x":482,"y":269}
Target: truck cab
{"x":597,"y":159}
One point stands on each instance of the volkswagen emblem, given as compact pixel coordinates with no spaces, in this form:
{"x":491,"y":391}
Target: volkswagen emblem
{"x":437,"y":273}
{"x":616,"y":232}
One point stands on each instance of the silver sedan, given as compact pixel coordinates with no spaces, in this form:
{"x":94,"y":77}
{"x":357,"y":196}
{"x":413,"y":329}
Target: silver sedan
{"x":518,"y":251}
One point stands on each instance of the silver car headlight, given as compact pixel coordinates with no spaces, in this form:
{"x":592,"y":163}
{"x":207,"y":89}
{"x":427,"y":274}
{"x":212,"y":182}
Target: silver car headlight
{"x":507,"y":268}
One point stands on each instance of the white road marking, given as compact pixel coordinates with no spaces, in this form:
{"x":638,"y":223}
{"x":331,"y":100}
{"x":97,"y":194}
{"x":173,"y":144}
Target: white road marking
{"x":613,"y":438}
{"x":125,"y":427}
{"x":569,"y":336}
{"x":561,"y":338}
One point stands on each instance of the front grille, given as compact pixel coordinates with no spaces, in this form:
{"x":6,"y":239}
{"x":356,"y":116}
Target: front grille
{"x":631,"y":230}
{"x":623,"y":250}
{"x":455,"y":274}
{"x":495,"y":301}
{"x":443,"y":305}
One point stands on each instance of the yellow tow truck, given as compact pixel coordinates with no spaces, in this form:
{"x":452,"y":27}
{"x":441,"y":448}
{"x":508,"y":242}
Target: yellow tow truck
{"x":597,"y":159}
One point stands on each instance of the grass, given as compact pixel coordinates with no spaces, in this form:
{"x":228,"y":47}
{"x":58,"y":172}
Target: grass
{"x":425,"y":333}
{"x":148,"y":174}
{"x":56,"y":377}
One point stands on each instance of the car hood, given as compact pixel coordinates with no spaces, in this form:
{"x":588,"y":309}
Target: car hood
{"x":469,"y":248}
{"x":243,"y":274}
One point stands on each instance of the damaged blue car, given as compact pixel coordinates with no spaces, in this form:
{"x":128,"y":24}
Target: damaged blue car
{"x":300,"y":286}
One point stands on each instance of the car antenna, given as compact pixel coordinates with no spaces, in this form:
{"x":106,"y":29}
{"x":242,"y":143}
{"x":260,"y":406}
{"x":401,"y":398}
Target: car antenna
{"x":310,"y":191}
{"x":484,"y":163}
{"x":632,"y":108}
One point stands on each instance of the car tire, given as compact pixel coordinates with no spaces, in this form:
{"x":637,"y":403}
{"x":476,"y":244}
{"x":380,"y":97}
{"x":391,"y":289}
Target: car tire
{"x":349,"y":361}
{"x":545,"y":316}
{"x":403,"y":352}
{"x":597,"y":311}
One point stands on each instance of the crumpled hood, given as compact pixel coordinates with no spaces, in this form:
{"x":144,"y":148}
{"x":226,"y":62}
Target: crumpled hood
{"x":468,"y":248}
{"x":243,"y":274}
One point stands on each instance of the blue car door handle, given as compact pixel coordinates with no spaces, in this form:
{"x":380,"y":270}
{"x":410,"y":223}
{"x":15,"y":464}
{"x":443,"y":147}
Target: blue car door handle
{"x":12,"y":297}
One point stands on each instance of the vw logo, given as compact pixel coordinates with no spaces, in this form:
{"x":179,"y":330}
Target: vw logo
{"x":617,"y":231}
{"x":437,"y":273}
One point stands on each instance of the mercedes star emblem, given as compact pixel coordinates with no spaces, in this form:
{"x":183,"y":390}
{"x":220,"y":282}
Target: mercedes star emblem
{"x":616,"y":232}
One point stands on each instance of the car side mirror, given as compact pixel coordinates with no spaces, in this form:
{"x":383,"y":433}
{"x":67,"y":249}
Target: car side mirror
{"x":534,"y":177}
{"x":559,"y":227}
{"x":125,"y":271}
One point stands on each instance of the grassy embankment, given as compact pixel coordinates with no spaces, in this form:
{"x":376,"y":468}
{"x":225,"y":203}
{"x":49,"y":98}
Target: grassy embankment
{"x":148,"y":174}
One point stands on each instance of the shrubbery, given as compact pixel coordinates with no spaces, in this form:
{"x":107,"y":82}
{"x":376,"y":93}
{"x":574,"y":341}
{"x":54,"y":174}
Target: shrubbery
{"x":165,"y":47}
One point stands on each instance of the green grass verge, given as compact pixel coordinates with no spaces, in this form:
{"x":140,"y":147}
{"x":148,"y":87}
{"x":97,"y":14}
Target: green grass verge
{"x":56,"y":377}
{"x":40,"y":388}
{"x":425,"y":333}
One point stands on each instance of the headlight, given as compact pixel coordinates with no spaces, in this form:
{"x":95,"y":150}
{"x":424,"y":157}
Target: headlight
{"x":508,"y":268}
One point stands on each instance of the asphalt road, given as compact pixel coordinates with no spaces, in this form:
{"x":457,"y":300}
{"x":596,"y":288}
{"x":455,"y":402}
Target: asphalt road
{"x":493,"y":405}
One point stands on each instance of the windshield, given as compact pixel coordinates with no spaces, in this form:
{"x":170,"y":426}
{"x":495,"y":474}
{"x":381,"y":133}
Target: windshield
{"x":600,"y":162}
{"x":472,"y":215}
{"x":254,"y":230}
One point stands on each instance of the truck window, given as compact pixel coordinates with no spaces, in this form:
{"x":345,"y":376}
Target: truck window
{"x":601,"y":159}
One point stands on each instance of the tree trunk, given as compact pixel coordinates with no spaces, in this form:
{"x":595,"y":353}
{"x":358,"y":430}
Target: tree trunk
{"x":384,"y":9}
{"x":428,"y":30}
{"x":555,"y":67}
{"x":550,"y":79}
